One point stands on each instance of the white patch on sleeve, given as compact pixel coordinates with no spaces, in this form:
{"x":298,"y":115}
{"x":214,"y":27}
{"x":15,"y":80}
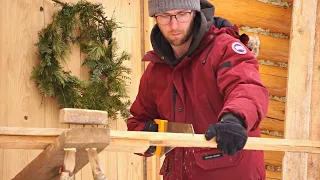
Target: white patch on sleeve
{"x":239,"y":48}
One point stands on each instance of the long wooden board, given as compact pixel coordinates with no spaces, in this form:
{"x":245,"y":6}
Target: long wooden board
{"x":46,"y":166}
{"x":266,"y":16}
{"x":188,"y":140}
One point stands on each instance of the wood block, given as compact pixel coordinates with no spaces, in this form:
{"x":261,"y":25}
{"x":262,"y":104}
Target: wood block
{"x":83,"y":116}
{"x":47,"y":164}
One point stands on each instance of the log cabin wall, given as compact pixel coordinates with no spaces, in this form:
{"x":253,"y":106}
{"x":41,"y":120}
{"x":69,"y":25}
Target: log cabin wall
{"x":271,"y":22}
{"x":23,"y":105}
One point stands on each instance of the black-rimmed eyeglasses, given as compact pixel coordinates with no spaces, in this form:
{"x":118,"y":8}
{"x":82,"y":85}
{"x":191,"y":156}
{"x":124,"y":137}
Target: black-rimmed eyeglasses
{"x":181,"y":17}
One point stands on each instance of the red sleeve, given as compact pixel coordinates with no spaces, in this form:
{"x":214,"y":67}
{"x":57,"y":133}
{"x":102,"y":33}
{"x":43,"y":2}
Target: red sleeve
{"x":143,"y":108}
{"x":240,"y":83}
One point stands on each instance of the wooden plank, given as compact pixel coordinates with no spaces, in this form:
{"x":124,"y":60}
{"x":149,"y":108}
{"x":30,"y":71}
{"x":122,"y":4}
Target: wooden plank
{"x":272,"y":48}
{"x":276,"y":110}
{"x":276,"y":125}
{"x":273,"y":70}
{"x":276,"y":85}
{"x":83,"y":116}
{"x":46,"y":164}
{"x":266,"y":16}
{"x":25,"y":142}
{"x":20,"y":100}
{"x":301,"y":105}
{"x":313,"y":160}
{"x":184,"y":140}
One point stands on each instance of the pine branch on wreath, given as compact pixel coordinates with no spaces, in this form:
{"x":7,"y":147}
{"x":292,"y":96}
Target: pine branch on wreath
{"x":106,"y":89}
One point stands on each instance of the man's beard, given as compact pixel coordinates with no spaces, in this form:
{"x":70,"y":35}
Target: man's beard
{"x":186,"y":37}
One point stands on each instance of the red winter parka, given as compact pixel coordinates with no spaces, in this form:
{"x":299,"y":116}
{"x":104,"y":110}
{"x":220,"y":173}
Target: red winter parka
{"x":219,"y":76}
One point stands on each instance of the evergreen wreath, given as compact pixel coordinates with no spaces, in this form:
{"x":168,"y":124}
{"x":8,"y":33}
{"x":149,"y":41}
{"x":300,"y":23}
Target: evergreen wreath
{"x":106,"y":89}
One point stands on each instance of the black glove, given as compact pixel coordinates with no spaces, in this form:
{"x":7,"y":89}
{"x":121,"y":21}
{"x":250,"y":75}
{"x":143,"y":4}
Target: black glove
{"x":150,"y":126}
{"x":230,"y":132}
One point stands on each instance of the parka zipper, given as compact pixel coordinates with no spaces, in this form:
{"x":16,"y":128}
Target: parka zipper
{"x":174,"y":102}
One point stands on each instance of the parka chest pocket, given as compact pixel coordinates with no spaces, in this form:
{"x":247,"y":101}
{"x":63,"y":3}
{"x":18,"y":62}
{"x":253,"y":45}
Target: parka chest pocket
{"x":212,"y":159}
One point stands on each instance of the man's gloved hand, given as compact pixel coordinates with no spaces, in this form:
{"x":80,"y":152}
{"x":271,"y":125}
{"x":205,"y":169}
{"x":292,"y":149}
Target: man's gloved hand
{"x":230,"y":132}
{"x":150,"y":126}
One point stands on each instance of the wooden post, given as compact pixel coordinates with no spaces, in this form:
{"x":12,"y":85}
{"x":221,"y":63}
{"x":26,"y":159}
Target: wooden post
{"x":303,"y":99}
{"x":68,"y":164}
{"x":97,"y":170}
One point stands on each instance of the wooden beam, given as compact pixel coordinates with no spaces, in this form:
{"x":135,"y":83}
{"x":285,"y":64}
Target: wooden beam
{"x":302,"y":114}
{"x":47,"y":165}
{"x":314,"y":159}
{"x":83,"y":116}
{"x":131,"y":139}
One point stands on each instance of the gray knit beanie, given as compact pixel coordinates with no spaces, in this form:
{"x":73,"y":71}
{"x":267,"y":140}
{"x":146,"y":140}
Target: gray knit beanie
{"x":159,"y":6}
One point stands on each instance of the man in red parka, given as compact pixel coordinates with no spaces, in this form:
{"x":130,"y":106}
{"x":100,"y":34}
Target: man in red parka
{"x":205,"y":76}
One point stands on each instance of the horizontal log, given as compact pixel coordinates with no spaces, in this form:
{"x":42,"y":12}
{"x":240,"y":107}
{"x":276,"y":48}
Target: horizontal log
{"x":272,"y":48}
{"x":269,"y":136}
{"x":266,"y":16}
{"x":276,"y":110}
{"x":273,"y":70}
{"x":273,"y":175}
{"x":276,"y":125}
{"x":180,"y":140}
{"x":276,"y":85}
{"x":273,"y":158}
